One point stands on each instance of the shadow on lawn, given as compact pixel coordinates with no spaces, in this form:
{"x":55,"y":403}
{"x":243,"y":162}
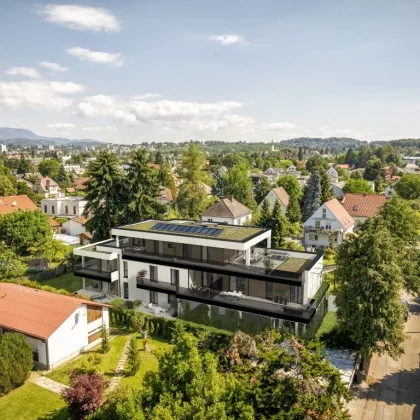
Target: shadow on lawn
{"x":59,"y":414}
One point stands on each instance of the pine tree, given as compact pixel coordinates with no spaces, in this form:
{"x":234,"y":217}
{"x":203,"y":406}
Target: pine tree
{"x":293,"y":212}
{"x":141,"y":189}
{"x":312,"y":196}
{"x":105,"y":340}
{"x":300,"y":153}
{"x":218,"y":186}
{"x":63,"y":178}
{"x":265,"y":215}
{"x":326,"y":190}
{"x":133,"y":357}
{"x":278,"y":226}
{"x":103,"y":195}
{"x":262,"y":189}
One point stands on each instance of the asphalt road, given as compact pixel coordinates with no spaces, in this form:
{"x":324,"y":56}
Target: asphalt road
{"x":394,"y":393}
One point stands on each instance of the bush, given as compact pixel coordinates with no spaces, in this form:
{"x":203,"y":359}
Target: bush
{"x":16,"y":361}
{"x":90,"y":365}
{"x":85,"y":395}
{"x":338,"y":339}
{"x":105,"y":340}
{"x":133,"y":357}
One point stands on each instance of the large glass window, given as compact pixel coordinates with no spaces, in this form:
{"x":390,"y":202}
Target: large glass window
{"x":269,"y":290}
{"x":174,"y":277}
{"x":125,"y":264}
{"x":154,"y":297}
{"x":153,"y":273}
{"x":241,"y":285}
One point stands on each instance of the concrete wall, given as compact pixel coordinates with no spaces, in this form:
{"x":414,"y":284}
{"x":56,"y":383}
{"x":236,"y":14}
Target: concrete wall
{"x":60,"y":207}
{"x":73,"y":228}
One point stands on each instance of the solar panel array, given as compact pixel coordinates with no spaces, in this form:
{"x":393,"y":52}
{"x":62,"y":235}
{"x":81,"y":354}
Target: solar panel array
{"x":190,"y":230}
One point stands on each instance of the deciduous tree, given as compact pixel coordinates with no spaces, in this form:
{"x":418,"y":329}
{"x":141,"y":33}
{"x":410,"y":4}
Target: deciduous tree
{"x":49,"y":167}
{"x":357,"y":186}
{"x":291,"y":186}
{"x":238,"y":184}
{"x":408,"y":187}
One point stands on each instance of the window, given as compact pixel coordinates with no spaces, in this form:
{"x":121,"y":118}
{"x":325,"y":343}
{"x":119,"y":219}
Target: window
{"x":328,"y":226}
{"x":174,"y":277}
{"x":324,"y":212}
{"x":67,"y":209}
{"x":241,"y":285}
{"x":209,"y":220}
{"x":45,"y":208}
{"x":154,"y":297}
{"x":74,"y":210}
{"x":313,"y":237}
{"x":269,"y":290}
{"x":153,"y":273}
{"x":52,"y":209}
{"x":187,"y":251}
{"x":35,"y":355}
{"x":125,"y":266}
{"x":317,"y":224}
{"x":125,"y":284}
{"x":93,"y":313}
{"x":93,"y":337}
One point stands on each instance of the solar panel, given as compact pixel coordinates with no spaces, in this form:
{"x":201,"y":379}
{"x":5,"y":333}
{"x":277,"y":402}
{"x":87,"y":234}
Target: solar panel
{"x":195,"y":230}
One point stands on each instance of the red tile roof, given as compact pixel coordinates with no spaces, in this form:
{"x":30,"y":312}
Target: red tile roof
{"x":363,"y":205}
{"x":227,"y":207}
{"x":282,"y":195}
{"x":79,"y":184}
{"x":12,"y":203}
{"x":53,"y":223}
{"x":81,"y":220}
{"x":35,"y":312}
{"x":340,"y":213}
{"x":343,"y":166}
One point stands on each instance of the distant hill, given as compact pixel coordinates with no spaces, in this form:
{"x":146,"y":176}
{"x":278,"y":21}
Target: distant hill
{"x":337,"y":143}
{"x":23,"y":137}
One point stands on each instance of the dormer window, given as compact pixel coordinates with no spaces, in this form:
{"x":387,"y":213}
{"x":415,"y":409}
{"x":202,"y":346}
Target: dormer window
{"x":355,"y":208}
{"x":324,"y":212}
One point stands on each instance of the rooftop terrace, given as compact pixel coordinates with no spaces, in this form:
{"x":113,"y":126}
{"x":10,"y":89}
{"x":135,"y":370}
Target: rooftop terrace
{"x":208,"y":230}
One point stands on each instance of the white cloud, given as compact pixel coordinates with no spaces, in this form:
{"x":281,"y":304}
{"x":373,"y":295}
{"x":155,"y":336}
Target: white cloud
{"x":60,"y":125}
{"x":24,"y":71}
{"x":40,"y":94}
{"x":343,"y":131}
{"x":145,"y":96}
{"x":96,"y":128}
{"x":81,"y":17}
{"x":115,"y":59}
{"x":228,"y":39}
{"x":53,"y":66}
{"x":178,"y":115}
{"x":279,"y":126}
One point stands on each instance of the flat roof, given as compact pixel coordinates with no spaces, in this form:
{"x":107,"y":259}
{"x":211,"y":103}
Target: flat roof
{"x":228,"y":232}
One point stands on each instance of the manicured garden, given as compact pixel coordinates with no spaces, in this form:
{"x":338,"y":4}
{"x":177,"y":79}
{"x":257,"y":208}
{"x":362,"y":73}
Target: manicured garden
{"x":67,"y":281}
{"x":328,"y":323}
{"x":31,"y":402}
{"x":107,"y":366}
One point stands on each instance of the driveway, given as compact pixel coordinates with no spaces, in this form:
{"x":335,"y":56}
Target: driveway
{"x":394,"y":393}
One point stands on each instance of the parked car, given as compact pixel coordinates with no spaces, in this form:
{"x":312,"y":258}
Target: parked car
{"x":406,"y":308}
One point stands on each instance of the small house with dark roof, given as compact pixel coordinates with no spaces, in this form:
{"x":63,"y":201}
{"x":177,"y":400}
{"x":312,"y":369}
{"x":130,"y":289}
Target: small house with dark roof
{"x":227,"y":210}
{"x":328,"y":225}
{"x":277,"y":194}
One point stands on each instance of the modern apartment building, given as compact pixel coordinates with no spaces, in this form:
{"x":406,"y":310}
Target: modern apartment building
{"x":209,"y":273}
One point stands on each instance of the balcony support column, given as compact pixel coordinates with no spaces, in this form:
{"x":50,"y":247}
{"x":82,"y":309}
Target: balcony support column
{"x":248,"y":256}
{"x":269,"y":242}
{"x":296,"y":328}
{"x":117,"y":241}
{"x":84,"y":283}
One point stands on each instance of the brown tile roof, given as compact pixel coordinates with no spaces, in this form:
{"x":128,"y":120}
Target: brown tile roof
{"x":79,"y":184}
{"x":81,"y":220}
{"x":12,"y":203}
{"x":45,"y":183}
{"x":166,"y":194}
{"x":282,"y":195}
{"x":227,"y":207}
{"x":36,"y":312}
{"x":53,"y":223}
{"x":340,"y":213}
{"x":363,"y":205}
{"x":343,"y":166}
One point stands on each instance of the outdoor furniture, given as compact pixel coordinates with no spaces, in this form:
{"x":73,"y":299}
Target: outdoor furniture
{"x":98,"y":297}
{"x":233,"y":295}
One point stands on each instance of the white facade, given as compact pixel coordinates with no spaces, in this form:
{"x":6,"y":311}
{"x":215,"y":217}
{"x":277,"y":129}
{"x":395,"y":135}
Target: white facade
{"x":239,"y":221}
{"x":66,"y":206}
{"x":323,"y":228}
{"x":3,"y":148}
{"x":389,"y":190}
{"x":333,"y":174}
{"x":73,"y":228}
{"x":337,"y":188}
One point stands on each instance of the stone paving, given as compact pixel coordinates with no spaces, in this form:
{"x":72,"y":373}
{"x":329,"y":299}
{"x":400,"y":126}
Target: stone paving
{"x":47,"y":383}
{"x":119,"y":371}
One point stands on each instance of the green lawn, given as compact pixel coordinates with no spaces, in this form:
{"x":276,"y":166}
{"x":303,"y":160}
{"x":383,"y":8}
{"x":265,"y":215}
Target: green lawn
{"x":148,"y":361}
{"x":67,"y":281}
{"x":31,"y":402}
{"x":328,"y":323}
{"x":108,"y":366}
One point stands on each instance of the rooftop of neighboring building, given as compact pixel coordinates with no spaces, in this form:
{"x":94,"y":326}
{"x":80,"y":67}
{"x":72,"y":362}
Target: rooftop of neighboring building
{"x":70,"y":198}
{"x":363,"y":205}
{"x":282,"y":195}
{"x":81,"y":220}
{"x":46,"y":183}
{"x":340,"y":213}
{"x":227,"y":207}
{"x":53,"y":223}
{"x":36,"y":312}
{"x":207,"y":230}
{"x":80,"y":183}
{"x":11,"y":203}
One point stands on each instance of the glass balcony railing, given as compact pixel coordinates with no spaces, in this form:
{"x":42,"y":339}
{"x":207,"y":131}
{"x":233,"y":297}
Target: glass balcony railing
{"x":94,"y":269}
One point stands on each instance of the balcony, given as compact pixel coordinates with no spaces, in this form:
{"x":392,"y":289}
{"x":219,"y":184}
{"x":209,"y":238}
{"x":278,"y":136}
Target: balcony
{"x":94,"y":270}
{"x":155,"y":285}
{"x":321,"y":230}
{"x":292,"y":276}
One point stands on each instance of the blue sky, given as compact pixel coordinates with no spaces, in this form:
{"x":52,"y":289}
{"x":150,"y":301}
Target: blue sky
{"x":171,"y":70}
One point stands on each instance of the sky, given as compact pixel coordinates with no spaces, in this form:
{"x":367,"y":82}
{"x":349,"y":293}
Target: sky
{"x":130,"y":71}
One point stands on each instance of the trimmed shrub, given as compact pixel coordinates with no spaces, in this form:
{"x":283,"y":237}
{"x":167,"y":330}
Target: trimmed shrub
{"x":16,"y":361}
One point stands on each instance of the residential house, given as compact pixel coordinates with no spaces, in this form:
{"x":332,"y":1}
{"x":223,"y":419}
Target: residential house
{"x":74,"y":227}
{"x":11,"y":203}
{"x":3,"y":148}
{"x":57,"y":327}
{"x":165,"y":196}
{"x":362,"y":206}
{"x":277,"y":194}
{"x":344,"y":166}
{"x":80,"y":183}
{"x":201,"y":269}
{"x":411,"y":168}
{"x":337,"y":188}
{"x":76,"y":169}
{"x":333,"y":174}
{"x":55,"y":226}
{"x":389,"y":189}
{"x":69,"y":207}
{"x":227,"y":210}
{"x":273,"y":174}
{"x":327,"y":226}
{"x":46,"y":186}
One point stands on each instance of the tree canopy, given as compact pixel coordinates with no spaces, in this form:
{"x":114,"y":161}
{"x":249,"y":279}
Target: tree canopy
{"x":238,"y":184}
{"x":311,"y":200}
{"x":353,"y":185}
{"x":408,"y":186}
